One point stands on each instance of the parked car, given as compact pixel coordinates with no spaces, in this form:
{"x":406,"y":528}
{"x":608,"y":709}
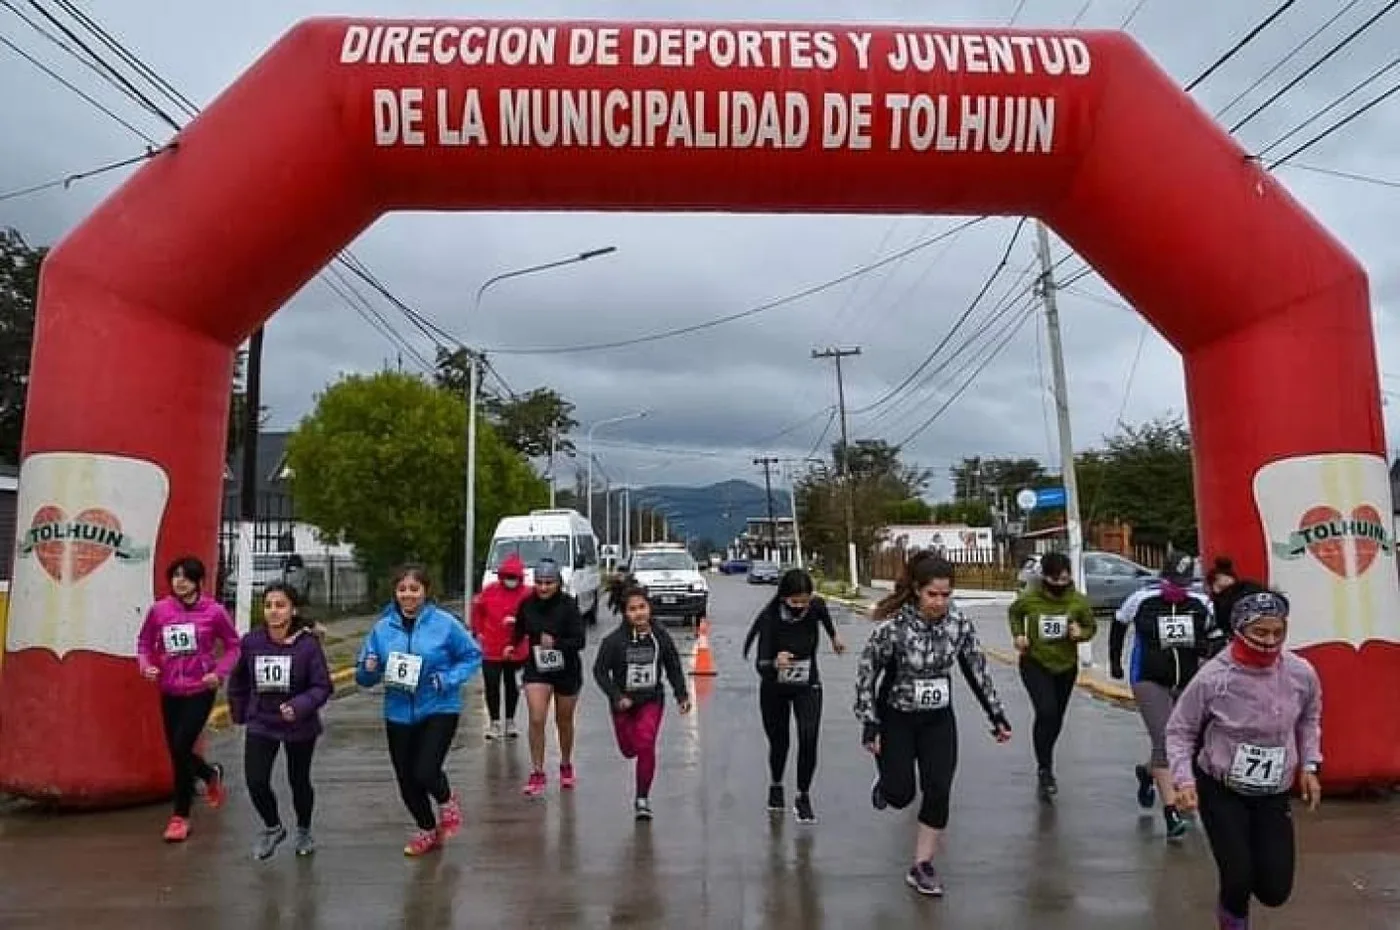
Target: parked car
{"x":734,"y":566}
{"x":1108,"y":578}
{"x":673,"y":582}
{"x":764,"y":573}
{"x":562,"y":535}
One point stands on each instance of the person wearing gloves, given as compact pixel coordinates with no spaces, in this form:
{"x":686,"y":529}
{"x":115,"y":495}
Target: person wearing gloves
{"x":423,"y":655}
{"x":1247,"y":727}
{"x":628,"y":669}
{"x":493,"y":623}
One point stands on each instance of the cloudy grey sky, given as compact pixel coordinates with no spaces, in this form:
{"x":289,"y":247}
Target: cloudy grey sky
{"x":723,"y":391}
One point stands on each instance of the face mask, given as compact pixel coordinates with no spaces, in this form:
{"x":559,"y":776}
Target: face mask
{"x":1055,"y":590}
{"x":1248,"y":652}
{"x":511,"y":583}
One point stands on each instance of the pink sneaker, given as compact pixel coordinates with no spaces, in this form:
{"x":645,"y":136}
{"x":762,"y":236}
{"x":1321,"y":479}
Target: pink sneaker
{"x":536,"y":785}
{"x":566,"y":777}
{"x":215,"y":793}
{"x":423,"y":841}
{"x":450,"y":817}
{"x":177,"y":830}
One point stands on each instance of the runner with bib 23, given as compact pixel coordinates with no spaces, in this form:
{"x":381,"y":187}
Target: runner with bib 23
{"x":904,"y":701}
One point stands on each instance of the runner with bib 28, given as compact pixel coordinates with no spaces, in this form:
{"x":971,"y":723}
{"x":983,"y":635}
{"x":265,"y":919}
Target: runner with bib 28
{"x":423,"y":655}
{"x":904,"y":701}
{"x":1246,"y":727}
{"x":1048,"y":622}
{"x":1172,"y":633}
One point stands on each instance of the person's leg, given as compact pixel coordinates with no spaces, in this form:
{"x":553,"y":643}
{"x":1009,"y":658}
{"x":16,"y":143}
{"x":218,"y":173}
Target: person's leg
{"x":936,"y":749}
{"x":403,"y":750}
{"x":179,"y":760}
{"x":646,"y":730}
{"x":564,"y":709}
{"x":537,"y":698}
{"x":491,"y":673}
{"x":185,"y":720}
{"x":436,"y":733}
{"x":299,"y":776}
{"x":199,"y":708}
{"x":807,"y":709}
{"x":510,"y":677}
{"x":1226,"y":818}
{"x":1040,"y":687}
{"x":896,"y":761}
{"x":1154,"y":703}
{"x":624,"y":727}
{"x":773,"y":708}
{"x":259,"y":755}
{"x":1272,"y":849}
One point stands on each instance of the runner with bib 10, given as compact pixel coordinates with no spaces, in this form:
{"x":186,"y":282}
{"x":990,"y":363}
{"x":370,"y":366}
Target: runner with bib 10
{"x":1246,"y":727}
{"x":904,"y":701}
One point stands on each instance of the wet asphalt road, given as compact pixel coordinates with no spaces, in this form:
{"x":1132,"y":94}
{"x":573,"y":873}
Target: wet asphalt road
{"x":712,"y":858}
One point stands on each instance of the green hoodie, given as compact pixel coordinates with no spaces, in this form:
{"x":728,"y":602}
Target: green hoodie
{"x":1045,"y":621}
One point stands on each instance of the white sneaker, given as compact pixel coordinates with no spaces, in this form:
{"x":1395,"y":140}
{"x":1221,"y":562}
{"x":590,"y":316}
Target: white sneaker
{"x":511,"y":731}
{"x":493,"y":731}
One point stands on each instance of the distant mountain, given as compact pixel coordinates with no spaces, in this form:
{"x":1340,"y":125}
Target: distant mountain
{"x":717,"y":512}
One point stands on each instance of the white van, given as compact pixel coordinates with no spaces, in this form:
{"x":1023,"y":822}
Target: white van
{"x":562,"y":535}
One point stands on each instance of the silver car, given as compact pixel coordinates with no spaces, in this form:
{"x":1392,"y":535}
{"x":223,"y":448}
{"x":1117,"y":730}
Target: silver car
{"x":1108,"y":578}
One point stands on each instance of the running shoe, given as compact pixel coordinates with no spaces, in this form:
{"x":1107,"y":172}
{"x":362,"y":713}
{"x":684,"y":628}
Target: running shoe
{"x":924,"y":879}
{"x":536,"y":785}
{"x":268,"y":841}
{"x":1176,"y":824}
{"x":493,"y":730}
{"x":802,"y":809}
{"x":1048,"y":787}
{"x":567,"y":779}
{"x":214,"y":791}
{"x":877,"y":797}
{"x":177,"y":830}
{"x":1227,"y":921}
{"x":423,"y":841}
{"x":776,"y":804}
{"x":450,"y":817}
{"x":305,"y":844}
{"x":511,"y":731}
{"x":1147,"y":791}
{"x":643,"y":809}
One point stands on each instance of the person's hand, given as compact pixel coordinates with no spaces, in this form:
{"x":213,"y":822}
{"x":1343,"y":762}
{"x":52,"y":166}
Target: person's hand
{"x":838,"y":645}
{"x":1312,"y":790}
{"x":1186,"y":797}
{"x":289,"y":713}
{"x":150,"y":673}
{"x":1022,"y":644}
{"x":1001,"y":733}
{"x":211,"y":681}
{"x":371,"y":663}
{"x":510,"y":621}
{"x":508,"y":654}
{"x":872,"y":746}
{"x":547,"y":641}
{"x":1076,"y":632}
{"x":782,"y":660}
{"x":685,"y":706}
{"x":624,"y":703}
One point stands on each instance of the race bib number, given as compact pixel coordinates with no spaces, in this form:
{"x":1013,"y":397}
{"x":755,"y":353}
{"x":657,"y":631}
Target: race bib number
{"x":403,"y":671}
{"x":179,"y":639}
{"x":272,"y":673}
{"x":1054,"y":628}
{"x":641,"y":676}
{"x":549,"y":660}
{"x":1175,"y":632}
{"x":932,"y":693}
{"x":1257,"y":768}
{"x":798,"y":672}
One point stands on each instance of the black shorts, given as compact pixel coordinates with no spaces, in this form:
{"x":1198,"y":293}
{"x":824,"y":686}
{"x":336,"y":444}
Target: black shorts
{"x":565,"y":684}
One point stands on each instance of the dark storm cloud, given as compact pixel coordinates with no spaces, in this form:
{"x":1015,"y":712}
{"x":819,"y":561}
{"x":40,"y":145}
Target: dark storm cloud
{"x":719,"y":392}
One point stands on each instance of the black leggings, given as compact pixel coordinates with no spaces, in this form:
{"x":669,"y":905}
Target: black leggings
{"x":259,"y":753}
{"x":184,"y":719}
{"x":1050,"y":693}
{"x":806,"y":707}
{"x":1252,"y":839}
{"x":930,"y":740}
{"x":418,"y":752}
{"x":498,"y":674}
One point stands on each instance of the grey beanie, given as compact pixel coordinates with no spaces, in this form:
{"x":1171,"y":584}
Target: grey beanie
{"x":547,"y":570}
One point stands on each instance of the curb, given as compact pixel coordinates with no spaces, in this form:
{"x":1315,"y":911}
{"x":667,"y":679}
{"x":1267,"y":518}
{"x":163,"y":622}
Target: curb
{"x":219,"y":716}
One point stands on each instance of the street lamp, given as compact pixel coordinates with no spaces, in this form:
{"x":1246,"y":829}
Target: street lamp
{"x":473,"y":376}
{"x":622,"y":419}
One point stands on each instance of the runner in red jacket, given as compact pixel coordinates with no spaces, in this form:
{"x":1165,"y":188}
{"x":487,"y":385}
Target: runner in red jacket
{"x":493,"y":622}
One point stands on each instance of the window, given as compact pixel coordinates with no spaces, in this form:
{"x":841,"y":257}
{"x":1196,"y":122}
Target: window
{"x":662,"y":562}
{"x":531,"y":549}
{"x":585,"y":552}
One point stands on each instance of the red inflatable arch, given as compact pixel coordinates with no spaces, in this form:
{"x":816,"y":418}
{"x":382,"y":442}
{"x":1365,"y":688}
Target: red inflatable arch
{"x":142,"y":307}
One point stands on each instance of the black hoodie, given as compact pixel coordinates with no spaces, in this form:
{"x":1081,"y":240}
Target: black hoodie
{"x":629,"y":665}
{"x":777,"y":630}
{"x":560,"y":618}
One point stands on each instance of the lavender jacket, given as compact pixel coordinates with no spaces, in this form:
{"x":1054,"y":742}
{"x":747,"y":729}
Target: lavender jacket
{"x":1228,"y":704}
{"x":306,"y":689}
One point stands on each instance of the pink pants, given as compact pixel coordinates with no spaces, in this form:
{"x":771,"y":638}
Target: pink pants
{"x":637,"y":729}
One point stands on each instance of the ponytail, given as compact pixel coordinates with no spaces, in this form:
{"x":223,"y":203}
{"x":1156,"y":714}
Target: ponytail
{"x":621,"y":589}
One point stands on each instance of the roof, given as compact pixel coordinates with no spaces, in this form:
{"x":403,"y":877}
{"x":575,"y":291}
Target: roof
{"x":271,"y":462}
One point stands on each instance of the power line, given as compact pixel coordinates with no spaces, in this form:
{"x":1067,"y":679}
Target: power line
{"x":830,"y":422}
{"x":1020,"y":5}
{"x":1083,"y":10}
{"x":1348,"y":175}
{"x":1240,"y":45}
{"x":1127,"y":20}
{"x":1355,"y":114}
{"x":74,"y":88}
{"x":743,"y":314}
{"x":1355,"y":89}
{"x":69,"y":179}
{"x":161,"y":84}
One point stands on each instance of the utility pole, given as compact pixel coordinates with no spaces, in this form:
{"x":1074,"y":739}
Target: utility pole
{"x":845,"y":470}
{"x":1073,"y":529}
{"x":553,"y":449}
{"x":248,"y":491}
{"x":767,"y":464}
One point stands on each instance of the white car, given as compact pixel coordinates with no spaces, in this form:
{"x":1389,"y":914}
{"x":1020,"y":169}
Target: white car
{"x":676,"y":588}
{"x":562,"y":535}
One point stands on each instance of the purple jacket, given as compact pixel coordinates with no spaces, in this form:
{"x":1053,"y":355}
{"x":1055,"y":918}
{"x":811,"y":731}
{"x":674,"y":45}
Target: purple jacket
{"x":180,"y":641}
{"x":1229,"y":708}
{"x":270,"y":674}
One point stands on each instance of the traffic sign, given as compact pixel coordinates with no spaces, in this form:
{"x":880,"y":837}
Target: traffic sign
{"x":1039,"y":498}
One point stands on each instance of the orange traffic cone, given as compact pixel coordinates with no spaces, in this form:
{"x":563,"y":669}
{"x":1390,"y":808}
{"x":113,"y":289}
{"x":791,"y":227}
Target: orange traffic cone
{"x":703,"y":662}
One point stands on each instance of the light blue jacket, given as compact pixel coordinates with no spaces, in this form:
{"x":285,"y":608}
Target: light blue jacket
{"x":449,"y":654}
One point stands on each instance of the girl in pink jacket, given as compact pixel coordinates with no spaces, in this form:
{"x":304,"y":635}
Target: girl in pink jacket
{"x":1244,"y":730}
{"x":179,"y":649}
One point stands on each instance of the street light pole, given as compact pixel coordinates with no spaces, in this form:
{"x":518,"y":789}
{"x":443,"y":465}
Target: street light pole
{"x":631,"y":416}
{"x":473,"y":377}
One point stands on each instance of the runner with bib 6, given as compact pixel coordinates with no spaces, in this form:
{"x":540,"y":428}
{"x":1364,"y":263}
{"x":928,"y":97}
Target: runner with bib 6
{"x":628,"y":668}
{"x":423,"y":655}
{"x":1246,"y":727}
{"x":788,"y":633}
{"x":904,"y":701}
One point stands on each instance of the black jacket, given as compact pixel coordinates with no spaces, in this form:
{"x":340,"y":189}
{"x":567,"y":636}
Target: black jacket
{"x":628,"y":665}
{"x":1171,"y":665}
{"x":775,"y":632}
{"x":560,"y":618}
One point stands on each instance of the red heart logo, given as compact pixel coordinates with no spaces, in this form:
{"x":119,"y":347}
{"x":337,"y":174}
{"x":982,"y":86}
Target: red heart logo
{"x":83,"y":538}
{"x":1330,"y":549}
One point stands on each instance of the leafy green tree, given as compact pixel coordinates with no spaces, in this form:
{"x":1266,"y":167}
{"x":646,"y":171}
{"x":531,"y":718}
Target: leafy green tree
{"x":380,"y":464}
{"x":1144,"y":477}
{"x":19,"y":294}
{"x":527,"y":423}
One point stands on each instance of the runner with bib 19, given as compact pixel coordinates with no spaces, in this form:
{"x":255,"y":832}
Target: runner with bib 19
{"x":1048,"y":622}
{"x":904,"y":701}
{"x":1246,"y":727}
{"x":628,"y":668}
{"x":423,"y":655}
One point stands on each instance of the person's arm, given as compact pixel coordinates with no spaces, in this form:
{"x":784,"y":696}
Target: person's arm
{"x":973,"y":662}
{"x":1084,"y":616}
{"x":318,"y":685}
{"x":239,"y":689}
{"x":754,"y":629}
{"x":671,"y":659}
{"x":603,"y":666}
{"x":478,"y":616}
{"x":227,"y":634}
{"x":465,"y":656}
{"x":572,"y":635}
{"x":1016,"y":616}
{"x":762,"y":632}
{"x":874,"y":658}
{"x":824,"y":617}
{"x":1116,"y":635}
{"x":1184,"y":729}
{"x":1309,"y":732}
{"x":364,"y":677}
{"x":147,"y":642}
